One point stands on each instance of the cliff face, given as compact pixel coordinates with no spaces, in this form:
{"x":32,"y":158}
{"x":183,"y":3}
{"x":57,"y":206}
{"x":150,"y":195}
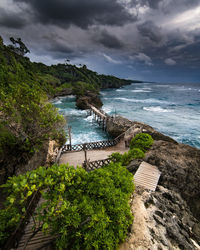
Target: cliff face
{"x":171,"y":215}
{"x":162,"y":220}
{"x":180,"y":167}
{"x":119,"y":125}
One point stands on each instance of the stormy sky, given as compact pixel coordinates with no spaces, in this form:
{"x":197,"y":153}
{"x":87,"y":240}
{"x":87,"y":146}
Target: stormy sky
{"x":153,"y":40}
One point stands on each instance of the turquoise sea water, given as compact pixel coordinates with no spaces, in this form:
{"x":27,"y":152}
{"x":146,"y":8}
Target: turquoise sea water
{"x":172,"y":109}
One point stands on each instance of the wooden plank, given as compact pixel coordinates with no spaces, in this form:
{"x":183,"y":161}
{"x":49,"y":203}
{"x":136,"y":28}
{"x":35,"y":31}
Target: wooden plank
{"x":147,"y":176}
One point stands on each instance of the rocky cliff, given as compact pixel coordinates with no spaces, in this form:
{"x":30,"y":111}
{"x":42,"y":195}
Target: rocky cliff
{"x":168,"y":218}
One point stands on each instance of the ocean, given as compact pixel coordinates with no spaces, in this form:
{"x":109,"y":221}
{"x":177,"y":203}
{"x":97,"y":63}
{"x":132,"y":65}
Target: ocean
{"x":172,"y":109}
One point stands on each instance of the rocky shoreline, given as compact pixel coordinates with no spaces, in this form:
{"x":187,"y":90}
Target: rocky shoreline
{"x":171,"y":214}
{"x":168,"y":218}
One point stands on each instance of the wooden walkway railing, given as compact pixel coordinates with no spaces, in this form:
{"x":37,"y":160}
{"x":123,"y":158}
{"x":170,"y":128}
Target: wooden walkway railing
{"x":92,"y":145}
{"x":92,"y":165}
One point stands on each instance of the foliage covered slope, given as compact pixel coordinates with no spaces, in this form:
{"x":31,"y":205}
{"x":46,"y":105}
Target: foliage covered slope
{"x":26,"y":117}
{"x":85,"y":210}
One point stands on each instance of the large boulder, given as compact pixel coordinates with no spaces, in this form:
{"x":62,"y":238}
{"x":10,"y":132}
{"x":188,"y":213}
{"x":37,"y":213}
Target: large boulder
{"x":91,"y":98}
{"x":118,"y":125}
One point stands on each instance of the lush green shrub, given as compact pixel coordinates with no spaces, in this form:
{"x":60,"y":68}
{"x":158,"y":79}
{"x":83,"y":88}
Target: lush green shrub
{"x":127,"y":157}
{"x":116,"y":157}
{"x":87,"y":210}
{"x":136,"y":153}
{"x":142,"y":141}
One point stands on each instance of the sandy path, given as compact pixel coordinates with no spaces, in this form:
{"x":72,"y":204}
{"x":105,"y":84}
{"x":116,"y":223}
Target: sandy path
{"x":77,"y":158}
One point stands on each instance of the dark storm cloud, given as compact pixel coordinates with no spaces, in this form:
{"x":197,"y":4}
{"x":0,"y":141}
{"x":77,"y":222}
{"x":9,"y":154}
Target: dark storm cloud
{"x":109,"y":40}
{"x":61,"y":48}
{"x":11,"y":20}
{"x":82,"y":13}
{"x":164,"y":34}
{"x":150,"y":30}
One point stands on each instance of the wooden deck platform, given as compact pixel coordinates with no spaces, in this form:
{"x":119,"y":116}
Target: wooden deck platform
{"x":147,"y":176}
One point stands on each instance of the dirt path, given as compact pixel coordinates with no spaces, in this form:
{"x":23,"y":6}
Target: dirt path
{"x":77,"y":158}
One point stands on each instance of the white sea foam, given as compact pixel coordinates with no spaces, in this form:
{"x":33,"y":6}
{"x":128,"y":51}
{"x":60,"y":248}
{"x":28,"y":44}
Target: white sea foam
{"x":163,"y":86}
{"x":157,"y":109}
{"x":107,"y":110}
{"x":89,"y":118}
{"x":57,"y":102}
{"x":151,"y":100}
{"x":145,"y":88}
{"x":183,"y":88}
{"x":69,"y":97}
{"x":75,"y":112}
{"x":140,"y":91}
{"x":121,"y":90}
{"x":90,"y":136}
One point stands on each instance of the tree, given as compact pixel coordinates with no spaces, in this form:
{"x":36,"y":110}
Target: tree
{"x":18,"y":46}
{"x":1,"y":41}
{"x":67,"y":61}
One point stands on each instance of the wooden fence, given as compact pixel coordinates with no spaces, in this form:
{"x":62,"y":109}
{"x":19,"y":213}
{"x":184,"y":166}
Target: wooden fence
{"x":92,"y":165}
{"x":92,"y":145}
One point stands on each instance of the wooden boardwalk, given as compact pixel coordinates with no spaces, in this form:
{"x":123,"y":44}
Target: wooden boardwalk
{"x":147,"y":176}
{"x":77,"y":158}
{"x":39,"y":240}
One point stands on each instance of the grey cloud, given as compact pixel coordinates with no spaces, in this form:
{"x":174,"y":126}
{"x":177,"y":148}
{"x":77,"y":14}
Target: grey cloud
{"x":81,"y":13}
{"x":108,"y":40}
{"x":170,"y":61}
{"x":144,"y":58}
{"x":176,"y":6}
{"x":11,"y":19}
{"x":150,"y":30}
{"x":61,"y":48}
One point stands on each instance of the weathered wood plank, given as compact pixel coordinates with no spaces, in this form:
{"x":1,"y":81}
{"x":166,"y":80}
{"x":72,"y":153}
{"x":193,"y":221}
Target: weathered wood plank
{"x":147,"y":176}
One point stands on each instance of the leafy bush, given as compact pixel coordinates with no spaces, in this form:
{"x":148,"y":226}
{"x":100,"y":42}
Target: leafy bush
{"x":142,"y":141}
{"x":86,"y":210}
{"x":116,"y":157}
{"x":136,"y":153}
{"x":127,"y":157}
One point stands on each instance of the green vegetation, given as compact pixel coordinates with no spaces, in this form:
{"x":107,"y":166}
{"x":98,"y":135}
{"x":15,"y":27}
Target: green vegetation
{"x":126,"y":158}
{"x":85,"y":210}
{"x":27,"y":120}
{"x":138,"y":146}
{"x":142,"y":141}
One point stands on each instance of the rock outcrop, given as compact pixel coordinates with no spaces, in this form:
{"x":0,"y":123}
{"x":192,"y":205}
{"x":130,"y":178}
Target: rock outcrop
{"x":118,"y":125}
{"x":180,"y":167}
{"x":90,"y":98}
{"x":172,"y":212}
{"x":162,"y":220}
